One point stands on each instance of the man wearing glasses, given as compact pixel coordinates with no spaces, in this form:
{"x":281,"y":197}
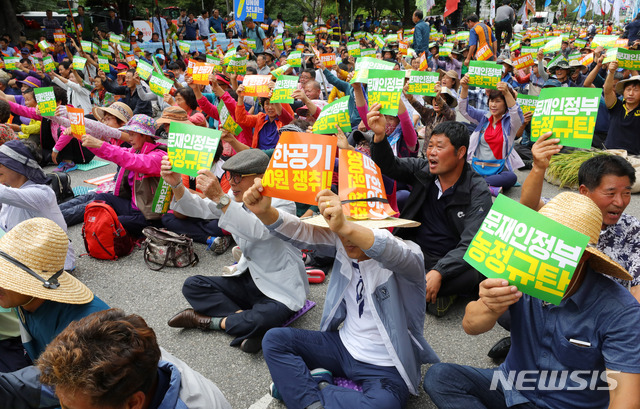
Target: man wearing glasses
{"x":270,"y":282}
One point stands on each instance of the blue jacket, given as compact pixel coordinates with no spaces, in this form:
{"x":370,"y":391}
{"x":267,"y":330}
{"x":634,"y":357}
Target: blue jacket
{"x":394,"y":284}
{"x":634,"y":31}
{"x":421,"y":37}
{"x":345,"y":87}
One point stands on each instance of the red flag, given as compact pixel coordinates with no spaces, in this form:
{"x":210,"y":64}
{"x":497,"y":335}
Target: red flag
{"x":450,"y":7}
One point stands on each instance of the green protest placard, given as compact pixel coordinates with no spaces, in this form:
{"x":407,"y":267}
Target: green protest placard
{"x":445,"y":50}
{"x":574,"y":56}
{"x":191,"y":147}
{"x":606,"y":41}
{"x":333,"y":115}
{"x":228,"y":56}
{"x":79,"y":63}
{"x":527,"y":103}
{"x":515,"y":45}
{"x":378,"y":40}
{"x":103,"y":64}
{"x":629,"y":59}
{"x":10,"y":63}
{"x":238,"y":65}
{"x":570,"y":113}
{"x":462,"y":36}
{"x":251,"y":44}
{"x":553,"y":45}
{"x":287,"y":42}
{"x":125,"y":47}
{"x":359,"y":35}
{"x":226,"y":121}
{"x":484,"y":74}
{"x":162,"y":198}
{"x":159,"y":84}
{"x":87,"y":46}
{"x":295,"y":59}
{"x":278,"y":72}
{"x":528,"y":50}
{"x":353,"y":48}
{"x":184,"y":47}
{"x":391,"y":38}
{"x":580,"y":42}
{"x":423,"y":83}
{"x":536,"y":254}
{"x":104,"y":45}
{"x":364,"y":64}
{"x":46,"y":101}
{"x":384,"y":87}
{"x":115,"y":38}
{"x":285,"y":85}
{"x":217,"y":63}
{"x":144,"y":70}
{"x":538,"y":42}
{"x":48,"y":63}
{"x":368,"y":52}
{"x":555,"y":60}
{"x":309,"y":38}
{"x":334,"y":44}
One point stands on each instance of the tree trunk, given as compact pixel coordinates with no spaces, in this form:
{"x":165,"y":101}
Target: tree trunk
{"x":8,"y":20}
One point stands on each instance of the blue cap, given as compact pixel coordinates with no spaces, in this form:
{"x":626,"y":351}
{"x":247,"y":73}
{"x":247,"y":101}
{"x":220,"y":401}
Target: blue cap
{"x":551,"y":82}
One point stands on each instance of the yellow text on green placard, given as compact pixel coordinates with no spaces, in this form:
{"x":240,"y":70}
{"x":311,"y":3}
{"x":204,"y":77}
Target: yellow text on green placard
{"x":46,"y":100}
{"x":484,"y":74}
{"x":423,"y":83}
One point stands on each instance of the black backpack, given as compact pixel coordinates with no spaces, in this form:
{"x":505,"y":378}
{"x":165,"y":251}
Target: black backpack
{"x":60,"y":182}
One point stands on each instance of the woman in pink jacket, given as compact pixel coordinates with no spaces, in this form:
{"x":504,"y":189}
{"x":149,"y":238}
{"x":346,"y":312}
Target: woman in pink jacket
{"x":140,"y":174}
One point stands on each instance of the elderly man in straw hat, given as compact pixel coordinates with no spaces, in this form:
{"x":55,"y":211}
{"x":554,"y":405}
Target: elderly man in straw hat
{"x":377,"y":292}
{"x":582,"y":353}
{"x":44,"y":296}
{"x":270,"y":282}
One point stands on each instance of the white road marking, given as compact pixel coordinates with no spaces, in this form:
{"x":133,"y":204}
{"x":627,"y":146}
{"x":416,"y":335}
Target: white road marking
{"x":262,"y":403}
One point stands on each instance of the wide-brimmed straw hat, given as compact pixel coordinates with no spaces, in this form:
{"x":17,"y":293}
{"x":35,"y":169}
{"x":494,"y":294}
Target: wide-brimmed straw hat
{"x":32,"y":256}
{"x":320,"y":221}
{"x":620,"y":84}
{"x":174,"y":114}
{"x":448,"y":96}
{"x":118,"y":109}
{"x":580,"y":213}
{"x":451,"y":74}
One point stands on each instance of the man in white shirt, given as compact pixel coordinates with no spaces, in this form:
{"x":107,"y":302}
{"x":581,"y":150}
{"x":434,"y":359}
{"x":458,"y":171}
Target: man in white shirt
{"x":203,"y":25}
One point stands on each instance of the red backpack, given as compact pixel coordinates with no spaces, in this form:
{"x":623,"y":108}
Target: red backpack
{"x":104,"y":237}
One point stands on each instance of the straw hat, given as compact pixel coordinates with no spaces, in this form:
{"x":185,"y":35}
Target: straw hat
{"x":620,"y":85}
{"x":118,"y":109}
{"x":369,"y":223}
{"x":40,"y":245}
{"x":174,"y":114}
{"x":581,"y":214}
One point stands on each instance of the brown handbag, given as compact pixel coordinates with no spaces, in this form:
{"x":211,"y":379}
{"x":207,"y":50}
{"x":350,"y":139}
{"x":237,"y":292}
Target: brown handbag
{"x":164,"y":248}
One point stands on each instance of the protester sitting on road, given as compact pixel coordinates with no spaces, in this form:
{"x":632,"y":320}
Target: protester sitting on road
{"x":491,"y":145}
{"x":270,"y":282}
{"x":129,"y":91}
{"x":44,"y":296}
{"x":109,"y":359}
{"x":133,"y":194}
{"x":587,"y":344}
{"x":448,"y":199}
{"x":367,"y":262}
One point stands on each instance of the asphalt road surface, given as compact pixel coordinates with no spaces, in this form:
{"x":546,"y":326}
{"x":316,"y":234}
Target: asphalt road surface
{"x":243,"y":378}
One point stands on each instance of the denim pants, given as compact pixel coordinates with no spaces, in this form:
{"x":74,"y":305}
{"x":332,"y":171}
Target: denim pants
{"x":505,"y":179}
{"x":452,"y":386}
{"x":132,"y":220}
{"x":73,"y":210}
{"x":291,"y":352}
{"x":198,"y":229}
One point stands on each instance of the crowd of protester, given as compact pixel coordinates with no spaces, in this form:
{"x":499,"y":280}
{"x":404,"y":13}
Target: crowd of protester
{"x":386,"y":275}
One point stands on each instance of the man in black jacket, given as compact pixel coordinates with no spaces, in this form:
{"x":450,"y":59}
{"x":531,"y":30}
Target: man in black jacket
{"x":448,"y":198}
{"x":131,"y":97}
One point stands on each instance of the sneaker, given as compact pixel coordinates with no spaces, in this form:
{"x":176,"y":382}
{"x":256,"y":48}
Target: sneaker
{"x":60,"y":166}
{"x":236,"y":253}
{"x":442,"y":305}
{"x":71,"y":167}
{"x":495,"y":191}
{"x":229,"y":270}
{"x":210,"y":240}
{"x":221,"y":244}
{"x":275,"y":394}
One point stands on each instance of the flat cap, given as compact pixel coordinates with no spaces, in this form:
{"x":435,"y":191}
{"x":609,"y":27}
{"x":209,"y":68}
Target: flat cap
{"x":247,"y":162}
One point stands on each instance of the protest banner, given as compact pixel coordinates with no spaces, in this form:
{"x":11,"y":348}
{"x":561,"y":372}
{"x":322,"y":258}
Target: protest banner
{"x":364,"y":64}
{"x":285,"y":85}
{"x":445,"y":50}
{"x":368,"y":52}
{"x":256,"y":85}
{"x":333,"y":115}
{"x":10,"y":63}
{"x":328,"y":60}
{"x":570,"y":113}
{"x":523,"y":61}
{"x":484,"y":53}
{"x":423,"y":83}
{"x":360,"y":179}
{"x":574,"y":56}
{"x":191,"y":147}
{"x":536,"y":254}
{"x":384,"y":87}
{"x":300,"y":167}
{"x":226,"y":121}
{"x":627,"y":59}
{"x":162,"y":197}
{"x":76,"y":118}
{"x":309,"y":38}
{"x":144,"y":70}
{"x":103,"y":64}
{"x":423,"y":63}
{"x":527,"y":103}
{"x":278,"y":72}
{"x":159,"y":84}
{"x":227,"y":57}
{"x":201,"y":73}
{"x":528,"y":50}
{"x":335,"y":44}
{"x":58,"y":36}
{"x":48,"y":64}
{"x":295,"y":59}
{"x":484,"y":74}
{"x":238,"y":65}
{"x":391,"y":38}
{"x":46,"y":101}
{"x":249,"y":8}
{"x":353,"y":48}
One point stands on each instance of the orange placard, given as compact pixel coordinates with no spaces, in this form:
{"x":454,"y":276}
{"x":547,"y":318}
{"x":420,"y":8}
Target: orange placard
{"x":424,"y":64}
{"x":299,"y":47}
{"x":201,"y":73}
{"x":76,"y":117}
{"x":190,"y":65}
{"x":523,"y":61}
{"x":403,"y":46}
{"x":484,"y":53}
{"x":361,"y":179}
{"x":329,"y":60}
{"x":256,"y":85}
{"x":400,"y":35}
{"x":587,"y":59}
{"x":243,"y":44}
{"x":131,"y":60}
{"x":300,"y":167}
{"x":58,"y":36}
